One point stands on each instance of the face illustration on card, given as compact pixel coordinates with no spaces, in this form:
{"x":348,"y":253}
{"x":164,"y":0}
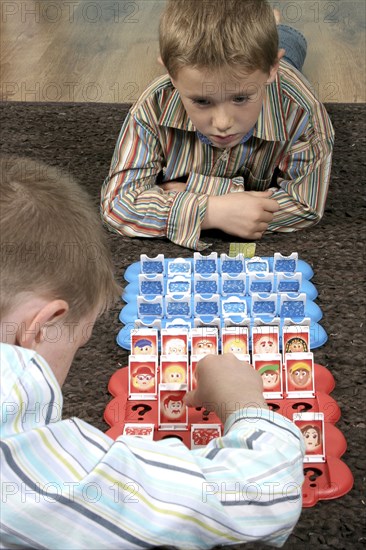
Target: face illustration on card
{"x":296,"y":339}
{"x":311,"y":426}
{"x":144,"y":342}
{"x":174,"y":343}
{"x":173,"y":371}
{"x":204,"y":341}
{"x":300,"y":374}
{"x":142,"y":377}
{"x":265,"y":340}
{"x":269,"y":367}
{"x":235,"y":340}
{"x":172,"y":407}
{"x":296,"y":344}
{"x":313,"y":438}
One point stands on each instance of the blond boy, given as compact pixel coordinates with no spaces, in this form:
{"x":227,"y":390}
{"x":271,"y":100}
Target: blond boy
{"x":232,"y":138}
{"x":67,"y":485}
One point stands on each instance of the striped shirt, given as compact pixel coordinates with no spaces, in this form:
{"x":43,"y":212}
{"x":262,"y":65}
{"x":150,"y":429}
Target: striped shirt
{"x":66,"y":485}
{"x":291,"y":147}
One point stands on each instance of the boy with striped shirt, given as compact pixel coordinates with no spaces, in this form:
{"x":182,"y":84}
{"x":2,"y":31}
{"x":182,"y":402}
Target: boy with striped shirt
{"x":66,"y":484}
{"x":232,"y":138}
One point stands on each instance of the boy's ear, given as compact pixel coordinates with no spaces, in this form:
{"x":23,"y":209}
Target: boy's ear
{"x":160,"y":61}
{"x":274,"y":68}
{"x":34,"y":330}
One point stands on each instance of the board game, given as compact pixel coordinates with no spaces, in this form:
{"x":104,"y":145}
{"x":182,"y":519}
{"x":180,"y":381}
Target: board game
{"x":261,"y":309}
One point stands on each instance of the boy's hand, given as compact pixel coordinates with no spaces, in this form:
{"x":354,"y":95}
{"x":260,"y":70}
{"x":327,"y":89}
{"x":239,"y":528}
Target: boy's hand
{"x":225,"y":385}
{"x":177,"y":186}
{"x":245,"y":214}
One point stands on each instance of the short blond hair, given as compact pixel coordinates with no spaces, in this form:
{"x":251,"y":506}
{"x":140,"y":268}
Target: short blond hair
{"x":240,"y":35}
{"x":52,"y":240}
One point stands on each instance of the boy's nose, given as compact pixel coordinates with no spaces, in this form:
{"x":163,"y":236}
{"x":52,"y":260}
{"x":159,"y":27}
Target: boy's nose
{"x":222,"y":121}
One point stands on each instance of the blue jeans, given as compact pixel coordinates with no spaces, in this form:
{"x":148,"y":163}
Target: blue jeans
{"x":295,"y":45}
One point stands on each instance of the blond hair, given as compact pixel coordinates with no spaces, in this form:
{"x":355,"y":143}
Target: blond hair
{"x":240,"y":35}
{"x":52,"y":240}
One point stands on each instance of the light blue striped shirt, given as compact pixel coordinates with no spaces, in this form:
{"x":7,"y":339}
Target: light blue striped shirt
{"x":66,"y":485}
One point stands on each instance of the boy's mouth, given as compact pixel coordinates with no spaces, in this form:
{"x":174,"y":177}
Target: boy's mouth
{"x":225,"y":139}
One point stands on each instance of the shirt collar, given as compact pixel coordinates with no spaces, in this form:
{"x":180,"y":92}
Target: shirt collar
{"x":271,"y":123}
{"x":270,"y":126}
{"x":174,"y":114}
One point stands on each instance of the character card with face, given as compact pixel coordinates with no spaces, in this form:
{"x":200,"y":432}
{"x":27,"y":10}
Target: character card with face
{"x":142,"y":376}
{"x":139,"y":430}
{"x":174,"y":341}
{"x":269,"y":366}
{"x":173,"y":413}
{"x":204,"y":341}
{"x":144,"y":341}
{"x":295,"y":339}
{"x":235,"y":340}
{"x":300,"y":375}
{"x":265,"y":339}
{"x":173,"y":370}
{"x":202,"y":434}
{"x":311,"y":426}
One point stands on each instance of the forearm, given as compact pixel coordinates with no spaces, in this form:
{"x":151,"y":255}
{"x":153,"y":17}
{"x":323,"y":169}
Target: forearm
{"x":303,"y":188}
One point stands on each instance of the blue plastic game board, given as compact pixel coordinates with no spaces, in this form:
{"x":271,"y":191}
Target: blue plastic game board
{"x":163,"y":292}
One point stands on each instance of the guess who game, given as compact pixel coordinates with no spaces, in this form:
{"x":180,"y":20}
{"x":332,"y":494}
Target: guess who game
{"x":261,"y":309}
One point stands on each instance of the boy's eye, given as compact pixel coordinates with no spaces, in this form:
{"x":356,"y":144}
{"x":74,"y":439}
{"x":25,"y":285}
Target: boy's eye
{"x":240,"y":99}
{"x":200,"y":101}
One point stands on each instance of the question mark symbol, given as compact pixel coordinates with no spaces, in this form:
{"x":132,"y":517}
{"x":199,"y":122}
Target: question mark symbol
{"x":302,"y":407}
{"x":273,"y":406}
{"x":144,"y":409}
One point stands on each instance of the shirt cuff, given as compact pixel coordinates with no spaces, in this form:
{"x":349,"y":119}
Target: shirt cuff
{"x":213,"y":185}
{"x":184,"y":221}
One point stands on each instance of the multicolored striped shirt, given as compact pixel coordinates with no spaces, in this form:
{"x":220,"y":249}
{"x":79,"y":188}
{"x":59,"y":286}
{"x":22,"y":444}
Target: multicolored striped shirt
{"x":291,"y":148}
{"x":66,"y":485}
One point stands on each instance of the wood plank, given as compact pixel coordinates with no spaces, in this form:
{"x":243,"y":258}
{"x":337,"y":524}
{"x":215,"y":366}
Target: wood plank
{"x":106,"y":51}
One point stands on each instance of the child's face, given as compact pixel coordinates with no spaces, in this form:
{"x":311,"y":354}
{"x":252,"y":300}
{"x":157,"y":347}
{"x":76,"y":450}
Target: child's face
{"x":223,"y":108}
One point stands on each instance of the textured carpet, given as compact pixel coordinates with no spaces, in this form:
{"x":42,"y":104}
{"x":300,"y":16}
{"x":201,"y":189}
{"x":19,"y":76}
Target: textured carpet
{"x":81,"y":138}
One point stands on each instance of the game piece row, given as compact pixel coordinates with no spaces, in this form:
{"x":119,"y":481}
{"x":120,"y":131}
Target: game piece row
{"x":209,"y":264}
{"x":261,"y":338}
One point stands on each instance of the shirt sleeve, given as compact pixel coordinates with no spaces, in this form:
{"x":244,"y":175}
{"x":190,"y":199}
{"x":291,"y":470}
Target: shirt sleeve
{"x":304,"y":175}
{"x":134,"y":493}
{"x":132,"y":202}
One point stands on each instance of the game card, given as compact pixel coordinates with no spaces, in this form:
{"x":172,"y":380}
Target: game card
{"x":144,"y":341}
{"x":269,"y":366}
{"x":142,"y":377}
{"x":295,"y":339}
{"x":299,"y":376}
{"x":173,"y":413}
{"x":173,"y":370}
{"x":265,"y":339}
{"x":202,"y":434}
{"x":311,"y":426}
{"x":204,"y":341}
{"x":139,"y":430}
{"x":174,"y":341}
{"x":236,"y":340}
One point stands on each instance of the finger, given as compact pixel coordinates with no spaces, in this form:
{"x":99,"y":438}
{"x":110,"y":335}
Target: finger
{"x":190,"y":399}
{"x":271,"y":205}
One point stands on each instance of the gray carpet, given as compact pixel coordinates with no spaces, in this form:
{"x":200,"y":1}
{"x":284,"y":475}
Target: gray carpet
{"x":81,"y":138}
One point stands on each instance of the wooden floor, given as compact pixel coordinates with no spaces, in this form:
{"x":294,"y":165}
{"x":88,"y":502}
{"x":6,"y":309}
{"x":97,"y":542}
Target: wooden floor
{"x":106,"y":50}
